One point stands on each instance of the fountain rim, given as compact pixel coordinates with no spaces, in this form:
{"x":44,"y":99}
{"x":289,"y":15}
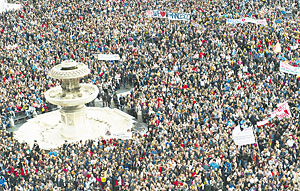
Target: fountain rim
{"x":69,"y":69}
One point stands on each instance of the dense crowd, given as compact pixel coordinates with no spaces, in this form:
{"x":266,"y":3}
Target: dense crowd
{"x":194,"y":82}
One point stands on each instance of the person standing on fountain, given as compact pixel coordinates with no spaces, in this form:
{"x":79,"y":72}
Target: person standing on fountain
{"x":36,"y":147}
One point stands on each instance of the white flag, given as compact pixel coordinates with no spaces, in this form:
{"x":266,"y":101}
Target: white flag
{"x":261,"y":123}
{"x":277,"y":48}
{"x":243,"y":137}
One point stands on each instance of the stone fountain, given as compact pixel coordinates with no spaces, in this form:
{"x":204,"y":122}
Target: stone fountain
{"x":74,"y":121}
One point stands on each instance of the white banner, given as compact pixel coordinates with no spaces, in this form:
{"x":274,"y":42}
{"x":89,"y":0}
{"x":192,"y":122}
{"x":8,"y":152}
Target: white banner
{"x":285,"y":67}
{"x":149,"y":13}
{"x":243,"y":137}
{"x":108,"y":57}
{"x":282,"y":111}
{"x":234,"y":21}
{"x":179,"y":16}
{"x":247,"y":20}
{"x":156,"y":14}
{"x":255,"y":21}
{"x":261,"y":22}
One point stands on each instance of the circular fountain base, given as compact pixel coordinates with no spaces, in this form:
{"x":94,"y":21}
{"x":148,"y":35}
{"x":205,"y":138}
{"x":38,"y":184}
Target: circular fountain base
{"x":49,"y":131}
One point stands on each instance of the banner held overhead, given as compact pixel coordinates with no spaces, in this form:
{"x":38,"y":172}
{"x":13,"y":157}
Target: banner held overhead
{"x":108,"y":57}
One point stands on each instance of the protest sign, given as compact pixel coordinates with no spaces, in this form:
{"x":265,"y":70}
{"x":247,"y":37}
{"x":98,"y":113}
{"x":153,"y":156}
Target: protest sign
{"x":294,"y":47}
{"x":179,"y":16}
{"x":4,"y":6}
{"x":108,"y":57}
{"x":11,"y":47}
{"x":286,"y":68}
{"x":159,"y":14}
{"x":244,"y":137}
{"x":282,"y":111}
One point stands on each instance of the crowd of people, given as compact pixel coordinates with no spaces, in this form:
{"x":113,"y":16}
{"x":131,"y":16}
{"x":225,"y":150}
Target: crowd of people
{"x":194,"y":82}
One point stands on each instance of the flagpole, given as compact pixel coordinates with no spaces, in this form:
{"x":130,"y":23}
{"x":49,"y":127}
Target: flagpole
{"x":296,"y":134}
{"x":256,"y":142}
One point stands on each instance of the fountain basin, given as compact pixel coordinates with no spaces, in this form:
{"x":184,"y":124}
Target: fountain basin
{"x":49,"y":131}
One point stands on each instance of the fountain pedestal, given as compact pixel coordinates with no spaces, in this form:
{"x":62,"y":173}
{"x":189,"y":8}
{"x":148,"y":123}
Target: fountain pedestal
{"x":73,"y":118}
